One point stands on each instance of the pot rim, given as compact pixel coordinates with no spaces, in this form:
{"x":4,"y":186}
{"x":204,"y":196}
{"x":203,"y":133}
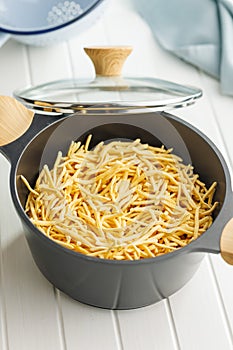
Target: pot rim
{"x":191,"y":247}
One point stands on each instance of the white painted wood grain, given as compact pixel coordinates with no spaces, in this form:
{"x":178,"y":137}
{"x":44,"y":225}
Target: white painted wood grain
{"x":3,"y":322}
{"x":150,"y":327}
{"x":30,"y":308}
{"x":48,"y":63}
{"x":198,"y":315}
{"x":13,"y":67}
{"x":87,"y":327}
{"x":224,"y":276}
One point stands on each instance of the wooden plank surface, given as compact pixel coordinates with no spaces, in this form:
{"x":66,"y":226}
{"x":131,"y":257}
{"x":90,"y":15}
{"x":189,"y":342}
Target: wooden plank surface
{"x":157,"y":324}
{"x":30,"y":309}
{"x":86,"y":326}
{"x":198,"y":315}
{"x":34,"y":315}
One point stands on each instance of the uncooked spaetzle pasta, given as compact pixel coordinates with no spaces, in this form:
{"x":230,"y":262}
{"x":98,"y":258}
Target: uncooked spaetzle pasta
{"x":121,"y":200}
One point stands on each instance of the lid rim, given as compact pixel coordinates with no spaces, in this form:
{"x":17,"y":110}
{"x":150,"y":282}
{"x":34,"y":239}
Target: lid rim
{"x":40,"y":97}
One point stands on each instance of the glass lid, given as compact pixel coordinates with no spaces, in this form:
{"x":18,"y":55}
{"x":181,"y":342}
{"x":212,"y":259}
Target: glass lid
{"x":108,"y":91}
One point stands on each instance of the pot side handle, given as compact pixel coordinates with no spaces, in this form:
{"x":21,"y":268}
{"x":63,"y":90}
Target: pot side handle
{"x":226,"y":242}
{"x":13,"y":150}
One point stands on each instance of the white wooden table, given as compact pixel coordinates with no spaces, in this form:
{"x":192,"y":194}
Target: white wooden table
{"x":33,"y":314}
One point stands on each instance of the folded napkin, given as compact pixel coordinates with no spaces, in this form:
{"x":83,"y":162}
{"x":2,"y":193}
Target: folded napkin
{"x":198,"y":31}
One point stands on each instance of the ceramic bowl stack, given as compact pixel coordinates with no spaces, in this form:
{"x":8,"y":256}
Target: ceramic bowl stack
{"x":43,"y":22}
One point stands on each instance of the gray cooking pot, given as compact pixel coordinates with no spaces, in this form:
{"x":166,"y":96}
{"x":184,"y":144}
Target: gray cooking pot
{"x":107,"y":283}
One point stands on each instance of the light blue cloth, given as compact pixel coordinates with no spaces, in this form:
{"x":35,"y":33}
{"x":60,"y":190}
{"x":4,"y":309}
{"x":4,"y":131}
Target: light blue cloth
{"x":198,"y":31}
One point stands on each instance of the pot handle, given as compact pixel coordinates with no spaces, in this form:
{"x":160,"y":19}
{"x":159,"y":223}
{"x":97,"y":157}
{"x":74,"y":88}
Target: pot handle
{"x":226,"y":242}
{"x":13,"y":150}
{"x":19,"y":125}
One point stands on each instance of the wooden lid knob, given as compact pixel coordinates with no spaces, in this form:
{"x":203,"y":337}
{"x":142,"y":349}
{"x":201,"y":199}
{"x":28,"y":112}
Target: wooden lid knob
{"x":109,"y":60}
